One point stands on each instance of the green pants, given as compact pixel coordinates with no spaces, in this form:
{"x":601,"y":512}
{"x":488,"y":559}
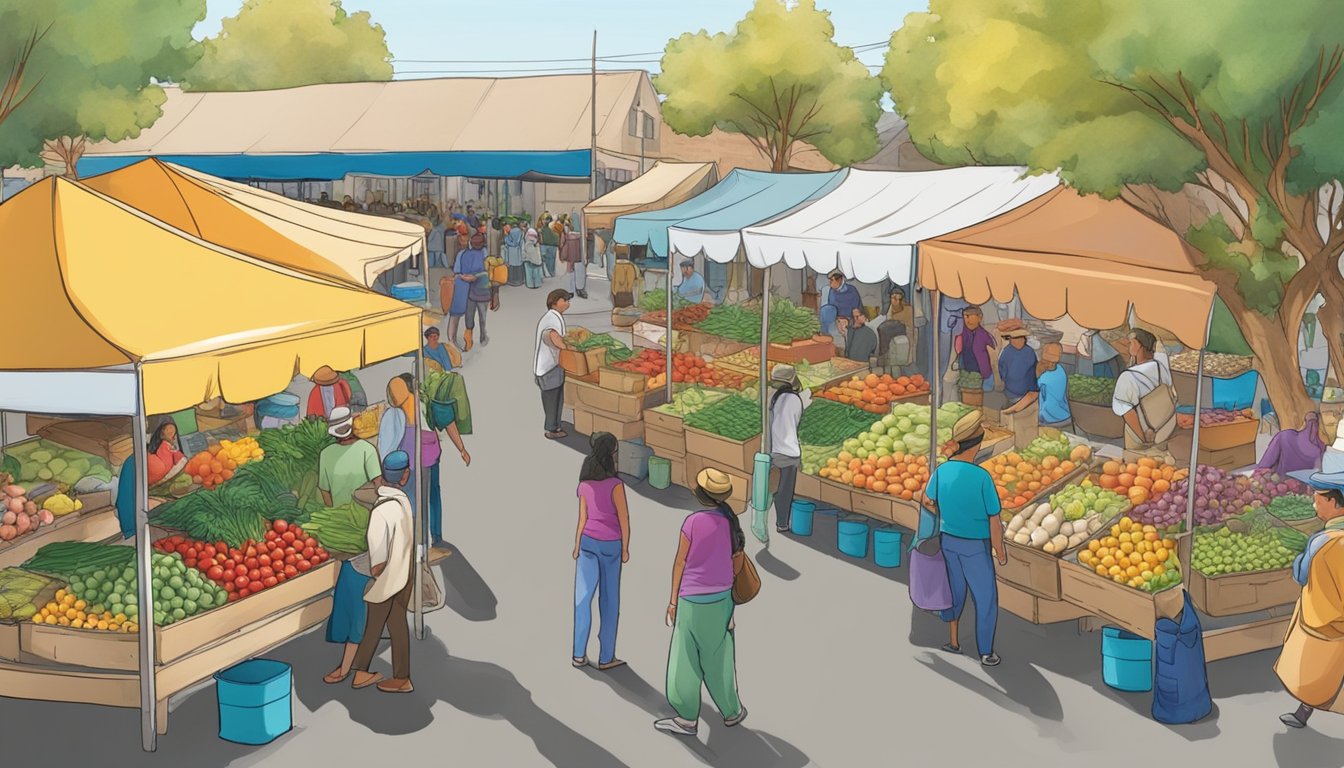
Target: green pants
{"x":702,"y":654}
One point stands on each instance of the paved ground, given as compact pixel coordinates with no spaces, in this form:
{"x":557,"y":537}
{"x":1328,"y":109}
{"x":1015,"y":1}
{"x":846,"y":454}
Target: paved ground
{"x":835,"y":666}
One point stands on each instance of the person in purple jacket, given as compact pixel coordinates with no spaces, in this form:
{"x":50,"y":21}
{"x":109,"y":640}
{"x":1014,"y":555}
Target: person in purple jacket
{"x":601,"y":546}
{"x":973,"y":346}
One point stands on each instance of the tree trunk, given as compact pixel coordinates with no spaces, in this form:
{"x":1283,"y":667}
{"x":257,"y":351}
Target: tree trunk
{"x":1276,"y":350}
{"x":67,"y":151}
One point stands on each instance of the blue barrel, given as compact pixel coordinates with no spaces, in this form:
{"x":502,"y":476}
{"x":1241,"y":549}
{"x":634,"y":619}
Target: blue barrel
{"x":800,"y":517}
{"x":283,"y":405}
{"x":414,"y":292}
{"x":852,"y":537}
{"x":255,"y":704}
{"x":887,"y":546}
{"x":1126,"y":660}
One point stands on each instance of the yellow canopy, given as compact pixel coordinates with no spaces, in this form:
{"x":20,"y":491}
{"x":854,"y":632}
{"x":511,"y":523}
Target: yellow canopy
{"x":96,"y":284}
{"x":350,"y":247}
{"x":662,"y":186}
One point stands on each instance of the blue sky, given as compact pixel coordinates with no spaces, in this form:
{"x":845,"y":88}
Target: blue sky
{"x":428,"y":38}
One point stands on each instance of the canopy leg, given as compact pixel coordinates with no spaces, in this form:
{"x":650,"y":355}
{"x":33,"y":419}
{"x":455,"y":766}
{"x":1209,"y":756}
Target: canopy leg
{"x":422,"y":488}
{"x":935,"y":380}
{"x":1194,"y":454}
{"x":149,"y":703}
{"x":765,"y":364}
{"x":668,"y":338}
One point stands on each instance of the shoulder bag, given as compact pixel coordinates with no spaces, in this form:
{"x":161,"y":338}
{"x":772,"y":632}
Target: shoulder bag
{"x":746,"y":581}
{"x":929,"y":587}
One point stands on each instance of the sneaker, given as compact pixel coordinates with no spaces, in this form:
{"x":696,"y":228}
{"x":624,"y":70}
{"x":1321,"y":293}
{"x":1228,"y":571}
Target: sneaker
{"x":731,"y":721}
{"x":677,"y":726}
{"x":989,"y":660}
{"x":1291,"y":720}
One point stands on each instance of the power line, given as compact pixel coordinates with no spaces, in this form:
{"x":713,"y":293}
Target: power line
{"x":615,"y":58}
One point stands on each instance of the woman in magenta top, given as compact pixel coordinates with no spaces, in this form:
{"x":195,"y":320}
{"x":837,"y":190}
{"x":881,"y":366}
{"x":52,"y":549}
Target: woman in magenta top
{"x":601,"y":545}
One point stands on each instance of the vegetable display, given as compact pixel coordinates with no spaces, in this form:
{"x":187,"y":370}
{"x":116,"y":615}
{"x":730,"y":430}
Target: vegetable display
{"x":827,"y":423}
{"x":1293,"y":507}
{"x":341,"y":529}
{"x":60,"y":505}
{"x":1215,"y":364}
{"x":816,"y":457}
{"x":685,"y":369}
{"x":18,"y":590}
{"x":898,"y":474}
{"x":45,"y":461}
{"x":906,"y":430}
{"x":1218,"y":495}
{"x":873,"y":393}
{"x":63,"y":559}
{"x":1209,"y":417}
{"x":970,"y":380}
{"x":1246,"y":544}
{"x":1141,"y":480}
{"x":1043,"y":527}
{"x":685,"y":317}
{"x":734,"y":417}
{"x":212,"y":467}
{"x":1055,"y":444}
{"x":656,"y":299}
{"x":1019,"y":481}
{"x":788,"y":322}
{"x":107,"y":598}
{"x":1085,"y":500}
{"x":689,"y":401}
{"x":1135,"y":555}
{"x":19,"y":515}
{"x":1095,"y":390}
{"x":285,"y":552}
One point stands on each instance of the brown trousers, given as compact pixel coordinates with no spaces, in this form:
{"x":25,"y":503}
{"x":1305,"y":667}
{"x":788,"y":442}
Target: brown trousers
{"x":392,"y":615}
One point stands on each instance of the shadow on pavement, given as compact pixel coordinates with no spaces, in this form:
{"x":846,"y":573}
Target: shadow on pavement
{"x":464,"y":590}
{"x":825,"y":540}
{"x":723,"y":747}
{"x":1306,"y":748}
{"x":774,"y":566}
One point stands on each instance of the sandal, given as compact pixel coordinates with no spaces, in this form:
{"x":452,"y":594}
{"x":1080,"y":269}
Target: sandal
{"x":373,"y":679}
{"x":950,"y":648}
{"x":579,"y":663}
{"x":614,"y":663}
{"x":336,"y":676}
{"x":396,"y":686}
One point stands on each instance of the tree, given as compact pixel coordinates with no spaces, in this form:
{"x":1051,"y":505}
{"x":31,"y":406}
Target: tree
{"x":1220,"y":121}
{"x":87,"y":69}
{"x":286,"y":43}
{"x":779,"y":78}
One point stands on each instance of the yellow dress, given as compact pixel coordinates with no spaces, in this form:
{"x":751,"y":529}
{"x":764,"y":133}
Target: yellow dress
{"x":1311,"y":664}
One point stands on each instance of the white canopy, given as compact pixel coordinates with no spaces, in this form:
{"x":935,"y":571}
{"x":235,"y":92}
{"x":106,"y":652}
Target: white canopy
{"x":868,"y":226}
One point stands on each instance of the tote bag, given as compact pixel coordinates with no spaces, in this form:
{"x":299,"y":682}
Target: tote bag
{"x":929,"y":587}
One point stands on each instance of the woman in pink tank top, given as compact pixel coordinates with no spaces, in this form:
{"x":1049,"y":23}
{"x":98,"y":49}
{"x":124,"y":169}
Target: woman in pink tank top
{"x":601,"y":545}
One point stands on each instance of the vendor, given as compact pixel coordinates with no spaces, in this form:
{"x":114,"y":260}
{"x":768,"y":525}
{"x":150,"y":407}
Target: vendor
{"x":860,"y":340}
{"x":1017,"y":366}
{"x":330,"y":392}
{"x":348,"y":465}
{"x":692,"y":287}
{"x":841,"y":302}
{"x":898,"y":323}
{"x":164,"y":458}
{"x":1051,"y":395}
{"x":973,"y":345}
{"x":1144,"y":397}
{"x":1296,"y":452}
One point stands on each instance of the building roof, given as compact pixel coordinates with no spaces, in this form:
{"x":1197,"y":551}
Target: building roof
{"x":733,"y":150}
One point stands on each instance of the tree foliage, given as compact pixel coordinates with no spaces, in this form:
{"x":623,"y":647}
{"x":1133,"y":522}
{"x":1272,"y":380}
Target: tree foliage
{"x":285,"y":43}
{"x":779,"y":78}
{"x":92,"y":67}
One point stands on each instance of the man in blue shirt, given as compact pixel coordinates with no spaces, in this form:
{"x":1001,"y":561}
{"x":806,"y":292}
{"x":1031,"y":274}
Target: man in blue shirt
{"x":842,"y":301}
{"x":1052,"y":391}
{"x":1017,"y":366}
{"x":967,"y":503}
{"x":692,"y":286}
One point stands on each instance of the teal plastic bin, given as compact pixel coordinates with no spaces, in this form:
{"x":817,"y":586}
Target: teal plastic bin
{"x":255,"y":704}
{"x":852,"y":537}
{"x":800,"y":517}
{"x":660,"y":472}
{"x":412,"y":292}
{"x":887,"y":547}
{"x":1126,"y":660}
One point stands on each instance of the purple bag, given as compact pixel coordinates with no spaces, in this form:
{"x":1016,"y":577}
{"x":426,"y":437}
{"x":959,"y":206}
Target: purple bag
{"x":929,"y":587}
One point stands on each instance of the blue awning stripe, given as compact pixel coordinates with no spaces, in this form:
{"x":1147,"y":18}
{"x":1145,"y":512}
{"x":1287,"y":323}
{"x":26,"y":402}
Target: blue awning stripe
{"x":573,"y":164}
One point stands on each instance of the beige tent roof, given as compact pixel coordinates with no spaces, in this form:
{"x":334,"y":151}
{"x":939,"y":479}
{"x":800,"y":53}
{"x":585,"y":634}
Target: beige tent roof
{"x":662,"y":186}
{"x":548,"y":113}
{"x":1082,"y":256}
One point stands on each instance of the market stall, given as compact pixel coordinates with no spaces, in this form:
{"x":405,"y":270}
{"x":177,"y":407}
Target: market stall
{"x":664,"y":185}
{"x":1151,"y":528}
{"x":96,"y":273}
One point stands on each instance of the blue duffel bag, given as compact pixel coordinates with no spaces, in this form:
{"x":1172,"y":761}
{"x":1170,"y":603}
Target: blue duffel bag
{"x":1180,"y":681}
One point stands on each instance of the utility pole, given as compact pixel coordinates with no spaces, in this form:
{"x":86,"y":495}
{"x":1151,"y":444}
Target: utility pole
{"x":592,"y":152}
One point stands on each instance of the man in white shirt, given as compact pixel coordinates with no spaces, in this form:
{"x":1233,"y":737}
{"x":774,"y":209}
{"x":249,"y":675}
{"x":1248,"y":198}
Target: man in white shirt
{"x":1143,"y":392}
{"x":550,"y":376}
{"x":786,"y":412}
{"x":391,"y":540}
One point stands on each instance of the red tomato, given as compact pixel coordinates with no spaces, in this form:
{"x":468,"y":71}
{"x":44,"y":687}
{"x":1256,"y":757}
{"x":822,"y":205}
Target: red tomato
{"x":252,"y":562}
{"x":229,"y":565}
{"x":181,"y":549}
{"x":291,"y":571}
{"x":264,"y":560}
{"x":240,"y":582}
{"x":192,"y":553}
{"x":230,"y":587}
{"x":215,"y":573}
{"x":266,"y":572}
{"x":251,"y":550}
{"x":288,"y":536}
{"x":244,"y":592}
{"x":281,"y":525}
{"x":291,"y":559}
{"x":308,"y":553}
{"x":233,"y":596}
{"x":291,"y":551}
{"x":298,"y":532}
{"x":221,"y":546}
{"x":254,"y":586}
{"x":304,"y":565}
{"x":254,"y":574}
{"x":209,"y":552}
{"x":280,"y":576}
{"x":272,"y":535}
{"x":191,"y":562}
{"x":270,"y":581}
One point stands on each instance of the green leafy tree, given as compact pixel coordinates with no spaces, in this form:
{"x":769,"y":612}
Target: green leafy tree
{"x":1221,"y":121}
{"x":286,"y":43}
{"x":87,"y":69}
{"x":779,"y":79}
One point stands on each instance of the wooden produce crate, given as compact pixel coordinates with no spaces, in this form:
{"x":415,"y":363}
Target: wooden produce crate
{"x":618,"y":380}
{"x":996,"y":441}
{"x":574,"y":363}
{"x":108,"y":439}
{"x":817,"y":349}
{"x":1227,"y":459}
{"x":93,"y":523}
{"x":1046,"y":491}
{"x":721,"y":451}
{"x":807,"y":486}
{"x":9,"y":641}
{"x":587,"y":421}
{"x":1097,"y":420}
{"x":1036,"y":609}
{"x":836,"y":494}
{"x":741,"y":496}
{"x":1230,"y":594}
{"x":1031,"y":570}
{"x":1221,"y":437}
{"x":625,"y":406}
{"x":1125,"y":607}
{"x":702,"y":344}
{"x":664,"y":442}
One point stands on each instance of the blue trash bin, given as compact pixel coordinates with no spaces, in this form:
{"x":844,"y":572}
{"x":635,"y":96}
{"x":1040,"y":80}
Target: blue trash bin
{"x":1126,"y":660}
{"x":409,"y":292}
{"x":800,"y":517}
{"x":255,"y":704}
{"x":887,"y":546}
{"x":852,"y":537}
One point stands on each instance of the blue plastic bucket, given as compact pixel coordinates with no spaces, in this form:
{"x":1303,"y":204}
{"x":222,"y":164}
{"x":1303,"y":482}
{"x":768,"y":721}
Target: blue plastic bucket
{"x":283,"y":405}
{"x":1126,"y":660}
{"x":887,"y":546}
{"x":800,"y":517}
{"x":255,"y":704}
{"x":660,"y":472}
{"x":442,"y":413}
{"x":409,"y":291}
{"x":852,"y":537}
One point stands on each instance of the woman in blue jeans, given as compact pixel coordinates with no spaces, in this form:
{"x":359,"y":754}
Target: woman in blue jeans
{"x":967,"y":503}
{"x":601,"y":545}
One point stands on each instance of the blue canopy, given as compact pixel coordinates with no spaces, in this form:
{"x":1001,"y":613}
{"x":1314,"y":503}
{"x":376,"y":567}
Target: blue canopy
{"x":573,"y":164}
{"x":741,"y":199}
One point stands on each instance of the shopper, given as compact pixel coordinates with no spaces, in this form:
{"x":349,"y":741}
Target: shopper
{"x":391,"y":540}
{"x":435,"y":352}
{"x":550,"y":339}
{"x":1145,"y":399}
{"x":963,"y":495}
{"x":1311,"y":663}
{"x":550,"y":243}
{"x":1017,"y":366}
{"x":396,"y":428}
{"x":571,"y":252}
{"x":532,"y":267}
{"x":330,"y":391}
{"x":437,"y":233}
{"x":601,"y":545}
{"x":348,"y":465}
{"x":898,"y":323}
{"x":1297,"y":450}
{"x":513,"y":252}
{"x":1052,"y":390}
{"x":716,"y":280}
{"x":786,"y":412}
{"x":472,"y":262}
{"x":700,"y":612}
{"x":692,"y":286}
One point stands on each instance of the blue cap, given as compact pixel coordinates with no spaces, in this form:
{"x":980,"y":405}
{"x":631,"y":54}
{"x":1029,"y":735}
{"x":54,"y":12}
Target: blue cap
{"x":396,"y":463}
{"x":1320,"y":481}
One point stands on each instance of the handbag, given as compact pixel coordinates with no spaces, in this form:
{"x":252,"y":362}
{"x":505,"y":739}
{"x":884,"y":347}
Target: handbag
{"x":431,"y":594}
{"x":929,"y":586}
{"x":746,"y":581}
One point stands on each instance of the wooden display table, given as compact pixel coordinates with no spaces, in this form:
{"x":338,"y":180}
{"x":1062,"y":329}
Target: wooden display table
{"x":723,"y":452}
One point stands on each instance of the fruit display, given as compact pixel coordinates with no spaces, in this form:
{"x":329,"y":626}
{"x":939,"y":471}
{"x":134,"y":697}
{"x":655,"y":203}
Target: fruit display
{"x":107,"y":598}
{"x":1215,"y":364}
{"x":45,"y":461}
{"x":1209,"y":417}
{"x":815,"y":457}
{"x":211,"y":467}
{"x":1135,"y":555}
{"x":733,"y":417}
{"x":1019,"y":481}
{"x":1293,"y":507}
{"x":284,"y":552}
{"x":341,"y":529}
{"x":689,"y":401}
{"x":1056,"y":444}
{"x":898,"y":475}
{"x":873,"y":393}
{"x":68,"y":611}
{"x":970,"y":380}
{"x":19,"y":589}
{"x":906,"y":430}
{"x":1043,"y":527}
{"x":19,"y":515}
{"x":1077,"y":501}
{"x":1218,"y":495}
{"x":1095,"y":390}
{"x":788,"y":322}
{"x":1139,"y":481}
{"x":63,"y":559}
{"x":1246,"y":544}
{"x":826,"y":423}
{"x":690,"y":369}
{"x":61,"y":504}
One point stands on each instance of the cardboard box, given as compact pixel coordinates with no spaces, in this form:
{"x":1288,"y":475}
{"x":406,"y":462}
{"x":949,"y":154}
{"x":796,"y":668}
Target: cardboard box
{"x":1125,"y":607}
{"x":665,"y":442}
{"x":574,"y":363}
{"x":9,"y":641}
{"x":108,"y":439}
{"x":596,"y":358}
{"x":1035,"y":609}
{"x":723,"y":452}
{"x":626,"y":406}
{"x":1031,"y":570}
{"x":617,"y":380}
{"x":807,"y":486}
{"x":678,"y":470}
{"x":1227,"y":459}
{"x":1234,"y":593}
{"x":587,"y":422}
{"x":1025,"y":424}
{"x":664,"y":421}
{"x":817,"y":349}
{"x":1221,"y":437}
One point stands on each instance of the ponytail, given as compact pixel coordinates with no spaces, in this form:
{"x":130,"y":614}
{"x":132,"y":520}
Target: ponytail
{"x":734,"y":525}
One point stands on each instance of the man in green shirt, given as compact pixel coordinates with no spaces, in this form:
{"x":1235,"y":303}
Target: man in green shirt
{"x":348,"y":465}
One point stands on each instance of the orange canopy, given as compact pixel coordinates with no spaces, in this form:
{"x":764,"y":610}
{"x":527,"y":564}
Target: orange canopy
{"x":1082,"y":256}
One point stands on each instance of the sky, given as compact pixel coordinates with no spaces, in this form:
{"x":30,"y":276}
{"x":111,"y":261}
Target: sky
{"x":444,"y":38}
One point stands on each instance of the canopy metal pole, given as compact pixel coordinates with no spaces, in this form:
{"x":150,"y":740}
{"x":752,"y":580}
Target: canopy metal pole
{"x":1190,"y":483}
{"x":765,"y":365}
{"x":4,"y":434}
{"x":668,"y":339}
{"x":935,"y":379}
{"x":421,"y":485}
{"x":144,"y":574}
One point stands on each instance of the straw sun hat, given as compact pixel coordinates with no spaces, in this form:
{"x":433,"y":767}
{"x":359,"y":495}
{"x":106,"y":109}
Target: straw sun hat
{"x":713,"y":486}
